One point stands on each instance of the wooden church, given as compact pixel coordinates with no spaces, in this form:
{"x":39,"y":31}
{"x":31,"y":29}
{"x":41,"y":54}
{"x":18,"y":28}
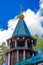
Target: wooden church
{"x":20,"y":44}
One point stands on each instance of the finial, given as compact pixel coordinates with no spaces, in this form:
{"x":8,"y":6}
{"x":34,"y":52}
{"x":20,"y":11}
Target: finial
{"x":21,"y":16}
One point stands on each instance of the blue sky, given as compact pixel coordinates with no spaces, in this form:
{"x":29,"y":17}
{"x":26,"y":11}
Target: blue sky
{"x":32,"y":10}
{"x":10,"y":8}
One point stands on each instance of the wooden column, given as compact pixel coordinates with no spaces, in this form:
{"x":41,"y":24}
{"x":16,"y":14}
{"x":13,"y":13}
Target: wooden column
{"x":26,"y":43}
{"x":8,"y":58}
{"x":23,"y":54}
{"x":17,"y":55}
{"x":15,"y":43}
{"x":32,"y":43}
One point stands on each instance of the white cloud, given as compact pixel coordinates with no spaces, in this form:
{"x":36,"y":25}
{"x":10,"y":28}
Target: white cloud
{"x":32,"y":20}
{"x":41,"y":4}
{"x":5,"y":34}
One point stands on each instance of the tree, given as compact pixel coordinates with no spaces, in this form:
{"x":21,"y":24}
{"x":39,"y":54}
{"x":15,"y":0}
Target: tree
{"x":3,"y":47}
{"x":39,"y":42}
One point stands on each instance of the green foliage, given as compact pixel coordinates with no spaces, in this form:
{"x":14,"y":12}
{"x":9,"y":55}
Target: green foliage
{"x":2,"y":54}
{"x":3,"y":60}
{"x":39,"y":42}
{"x":3,"y":46}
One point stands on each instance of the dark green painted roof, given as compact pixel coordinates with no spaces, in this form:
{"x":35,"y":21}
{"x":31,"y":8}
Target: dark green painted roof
{"x":21,"y":29}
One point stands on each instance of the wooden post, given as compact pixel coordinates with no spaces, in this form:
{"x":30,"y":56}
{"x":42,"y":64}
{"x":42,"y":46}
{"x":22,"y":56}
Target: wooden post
{"x":17,"y":55}
{"x":8,"y":58}
{"x":15,"y":43}
{"x":26,"y":43}
{"x":24,"y":55}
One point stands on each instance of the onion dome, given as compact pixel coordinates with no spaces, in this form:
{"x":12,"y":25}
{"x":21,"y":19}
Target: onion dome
{"x":21,"y":16}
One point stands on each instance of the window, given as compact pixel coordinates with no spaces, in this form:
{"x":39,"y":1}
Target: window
{"x":28,"y":43}
{"x":20,"y":43}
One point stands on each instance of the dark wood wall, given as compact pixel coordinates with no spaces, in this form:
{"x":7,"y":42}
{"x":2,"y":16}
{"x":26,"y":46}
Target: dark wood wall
{"x":20,"y":43}
{"x":13,"y":58}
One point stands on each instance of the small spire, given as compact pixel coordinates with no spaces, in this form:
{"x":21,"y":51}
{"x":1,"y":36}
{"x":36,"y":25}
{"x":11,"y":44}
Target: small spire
{"x":21,"y":8}
{"x":21,"y":16}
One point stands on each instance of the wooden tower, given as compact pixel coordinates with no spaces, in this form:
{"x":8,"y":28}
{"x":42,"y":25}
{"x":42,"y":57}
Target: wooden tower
{"x":20,"y":44}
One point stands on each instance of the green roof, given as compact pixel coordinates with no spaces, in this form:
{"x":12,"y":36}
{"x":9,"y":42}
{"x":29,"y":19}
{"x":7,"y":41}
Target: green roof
{"x":21,"y":29}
